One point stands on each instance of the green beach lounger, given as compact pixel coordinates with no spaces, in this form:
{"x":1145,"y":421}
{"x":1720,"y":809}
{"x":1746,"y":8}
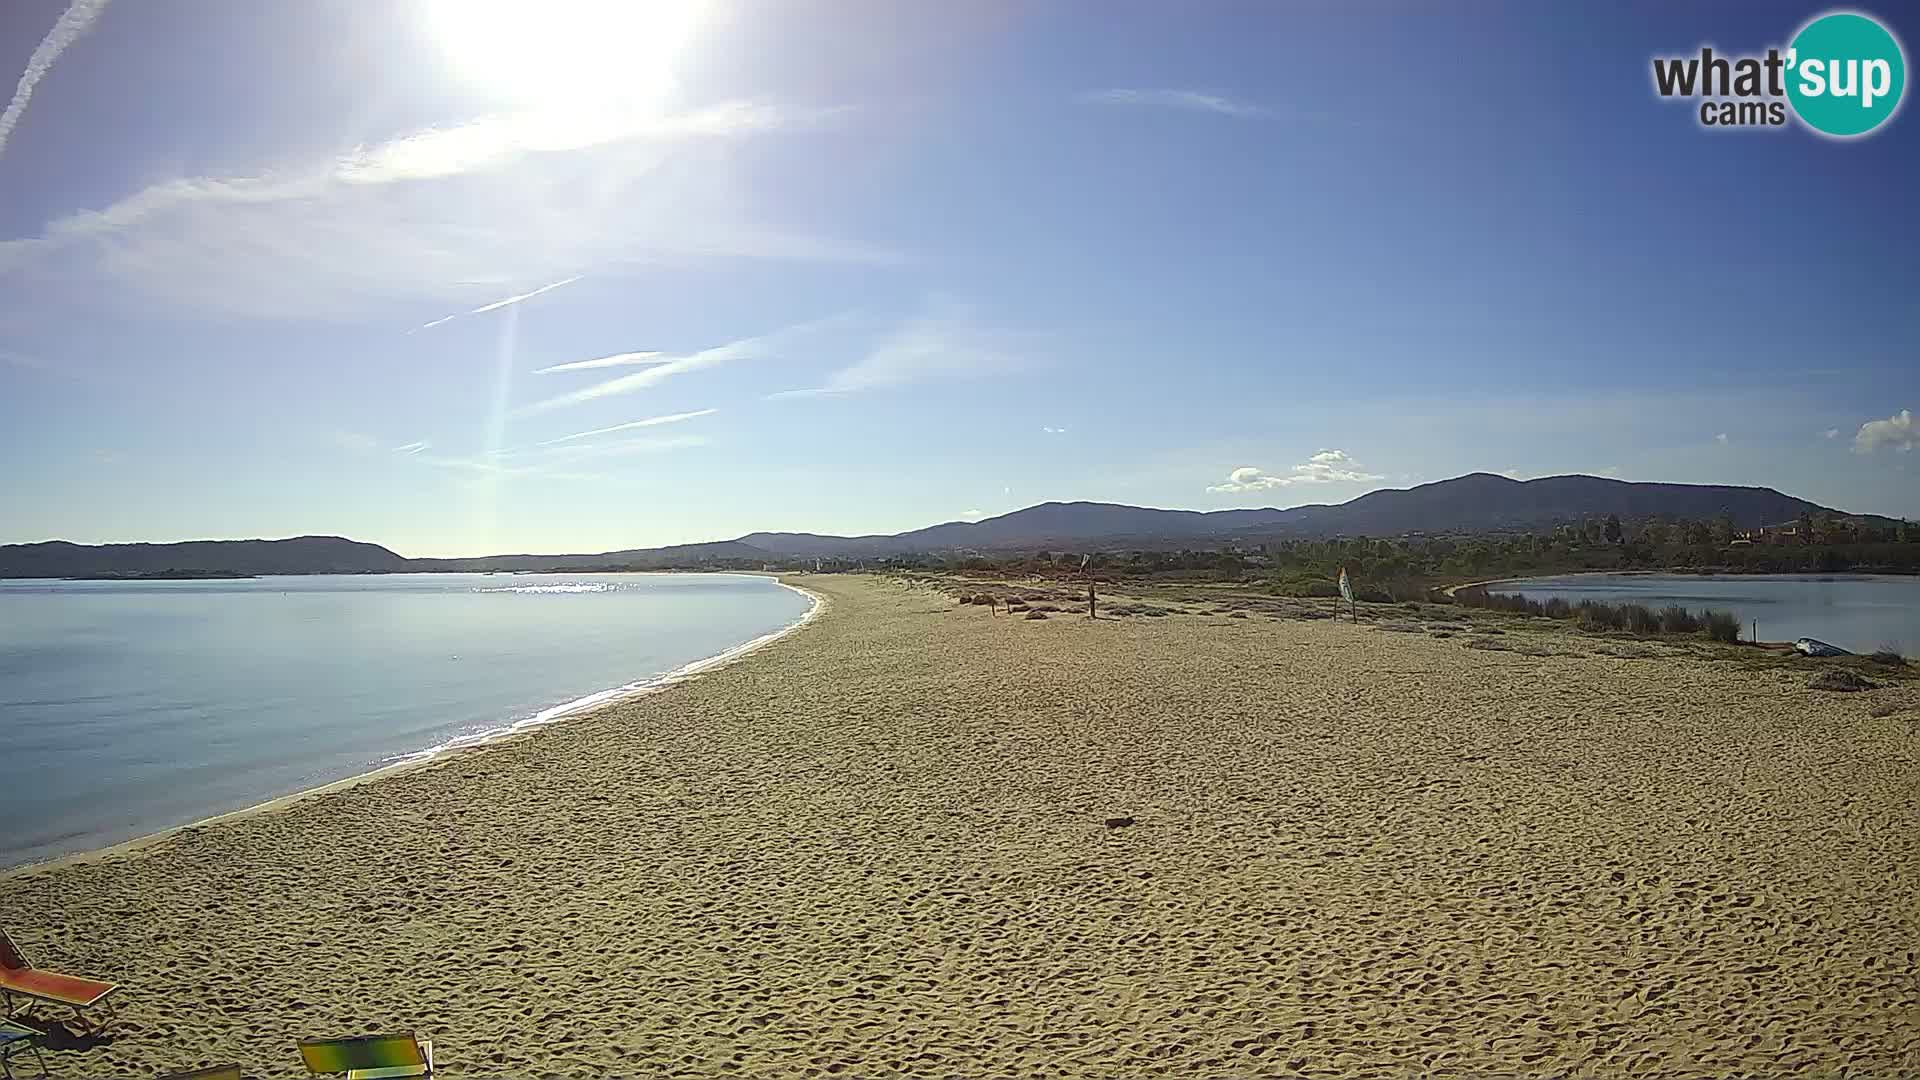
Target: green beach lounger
{"x":14,"y":1037}
{"x":369,"y":1057}
{"x":211,"y":1072}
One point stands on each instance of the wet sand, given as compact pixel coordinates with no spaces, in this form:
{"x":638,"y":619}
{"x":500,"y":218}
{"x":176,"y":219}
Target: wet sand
{"x":878,"y":846}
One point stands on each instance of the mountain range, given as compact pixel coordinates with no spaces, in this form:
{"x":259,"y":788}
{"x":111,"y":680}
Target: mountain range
{"x":1478,"y":502}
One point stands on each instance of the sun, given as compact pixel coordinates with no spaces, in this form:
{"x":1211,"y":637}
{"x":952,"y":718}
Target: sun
{"x":539,"y":53}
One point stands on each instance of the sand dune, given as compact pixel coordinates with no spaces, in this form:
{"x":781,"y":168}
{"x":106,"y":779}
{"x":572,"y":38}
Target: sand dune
{"x":878,"y":847}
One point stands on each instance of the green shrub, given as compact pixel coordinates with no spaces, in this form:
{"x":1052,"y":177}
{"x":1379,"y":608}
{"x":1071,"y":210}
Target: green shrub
{"x":1675,"y":619}
{"x":1641,"y":619}
{"x":1594,"y":615}
{"x":1720,"y":626}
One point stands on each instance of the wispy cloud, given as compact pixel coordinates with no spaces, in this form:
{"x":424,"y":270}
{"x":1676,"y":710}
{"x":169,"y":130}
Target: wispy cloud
{"x":1832,"y":433}
{"x":498,"y":304}
{"x":623,"y":448}
{"x":1054,"y":430}
{"x":1721,"y":438}
{"x":411,"y":220}
{"x":1325,"y":467}
{"x":491,"y":141}
{"x":625,"y":359}
{"x":651,"y":421}
{"x":412,"y":448}
{"x":1193,"y":100}
{"x":72,"y":24}
{"x":353,"y":442}
{"x":944,"y":342}
{"x":746,"y":348}
{"x":1896,"y":431}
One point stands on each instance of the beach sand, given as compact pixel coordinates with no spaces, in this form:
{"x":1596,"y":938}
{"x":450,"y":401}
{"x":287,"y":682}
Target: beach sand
{"x":878,"y":847}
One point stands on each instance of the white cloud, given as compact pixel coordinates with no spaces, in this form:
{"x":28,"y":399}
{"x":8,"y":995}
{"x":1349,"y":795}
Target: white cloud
{"x":492,"y":141}
{"x":1054,"y":430}
{"x":1896,"y":431}
{"x":625,"y":359}
{"x":651,"y":421}
{"x":746,"y":348}
{"x":1832,"y":433}
{"x":973,"y":514}
{"x":72,"y":24}
{"x":943,"y":342}
{"x":1513,"y":473}
{"x":1171,"y":99}
{"x":412,"y":447}
{"x":1721,"y":438}
{"x":1325,"y":467}
{"x":506,"y":205}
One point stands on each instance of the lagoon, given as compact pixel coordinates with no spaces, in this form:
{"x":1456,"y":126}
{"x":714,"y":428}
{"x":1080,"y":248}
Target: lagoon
{"x":127,"y":707}
{"x":1858,"y":612}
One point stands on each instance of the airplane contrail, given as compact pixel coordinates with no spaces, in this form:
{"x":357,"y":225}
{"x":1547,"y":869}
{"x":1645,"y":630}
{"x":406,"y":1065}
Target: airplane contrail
{"x":73,"y":23}
{"x":654,"y":421}
{"x":497,"y":304}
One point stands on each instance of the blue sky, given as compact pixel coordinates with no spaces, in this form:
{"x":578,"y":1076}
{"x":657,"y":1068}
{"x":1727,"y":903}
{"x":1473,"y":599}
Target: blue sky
{"x":905,"y":263}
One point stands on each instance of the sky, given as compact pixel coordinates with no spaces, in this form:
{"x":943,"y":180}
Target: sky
{"x":484,"y":276}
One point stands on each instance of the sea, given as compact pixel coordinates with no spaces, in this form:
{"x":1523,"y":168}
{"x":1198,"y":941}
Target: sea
{"x":1858,"y":612}
{"x":129,"y":707}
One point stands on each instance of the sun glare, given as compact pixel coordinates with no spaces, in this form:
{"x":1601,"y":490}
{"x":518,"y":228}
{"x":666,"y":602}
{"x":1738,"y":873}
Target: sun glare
{"x":556,"y":52}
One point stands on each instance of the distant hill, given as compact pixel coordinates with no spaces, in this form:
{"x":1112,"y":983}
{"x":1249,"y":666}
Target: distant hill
{"x":298,"y":555}
{"x":730,"y":551}
{"x":1479,"y":502}
{"x":1054,"y":524}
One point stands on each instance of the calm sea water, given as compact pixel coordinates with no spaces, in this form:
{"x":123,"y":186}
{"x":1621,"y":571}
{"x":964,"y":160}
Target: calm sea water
{"x":1859,"y":612}
{"x":129,"y":707}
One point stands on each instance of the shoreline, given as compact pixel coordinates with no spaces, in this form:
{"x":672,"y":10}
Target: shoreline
{"x":922,"y":840}
{"x":460,"y":747}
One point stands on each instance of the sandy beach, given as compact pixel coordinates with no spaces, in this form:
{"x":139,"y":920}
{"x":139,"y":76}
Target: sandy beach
{"x":879,"y":846}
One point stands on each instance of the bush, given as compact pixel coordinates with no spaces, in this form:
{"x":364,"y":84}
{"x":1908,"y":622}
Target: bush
{"x":1593,"y":615}
{"x":1889,"y":655}
{"x":1036,"y":614}
{"x":1675,"y":619}
{"x":1720,"y":626}
{"x":1641,"y":619}
{"x":1557,"y":608}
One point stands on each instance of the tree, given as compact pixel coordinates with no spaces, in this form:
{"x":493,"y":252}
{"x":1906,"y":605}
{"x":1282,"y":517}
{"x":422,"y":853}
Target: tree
{"x":1723,"y":529}
{"x":1654,"y":532}
{"x":1805,"y":524}
{"x":1612,"y":528}
{"x":1697,"y":533}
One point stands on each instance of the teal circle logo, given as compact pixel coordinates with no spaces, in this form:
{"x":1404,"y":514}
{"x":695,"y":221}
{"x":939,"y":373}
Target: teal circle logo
{"x":1846,"y":74}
